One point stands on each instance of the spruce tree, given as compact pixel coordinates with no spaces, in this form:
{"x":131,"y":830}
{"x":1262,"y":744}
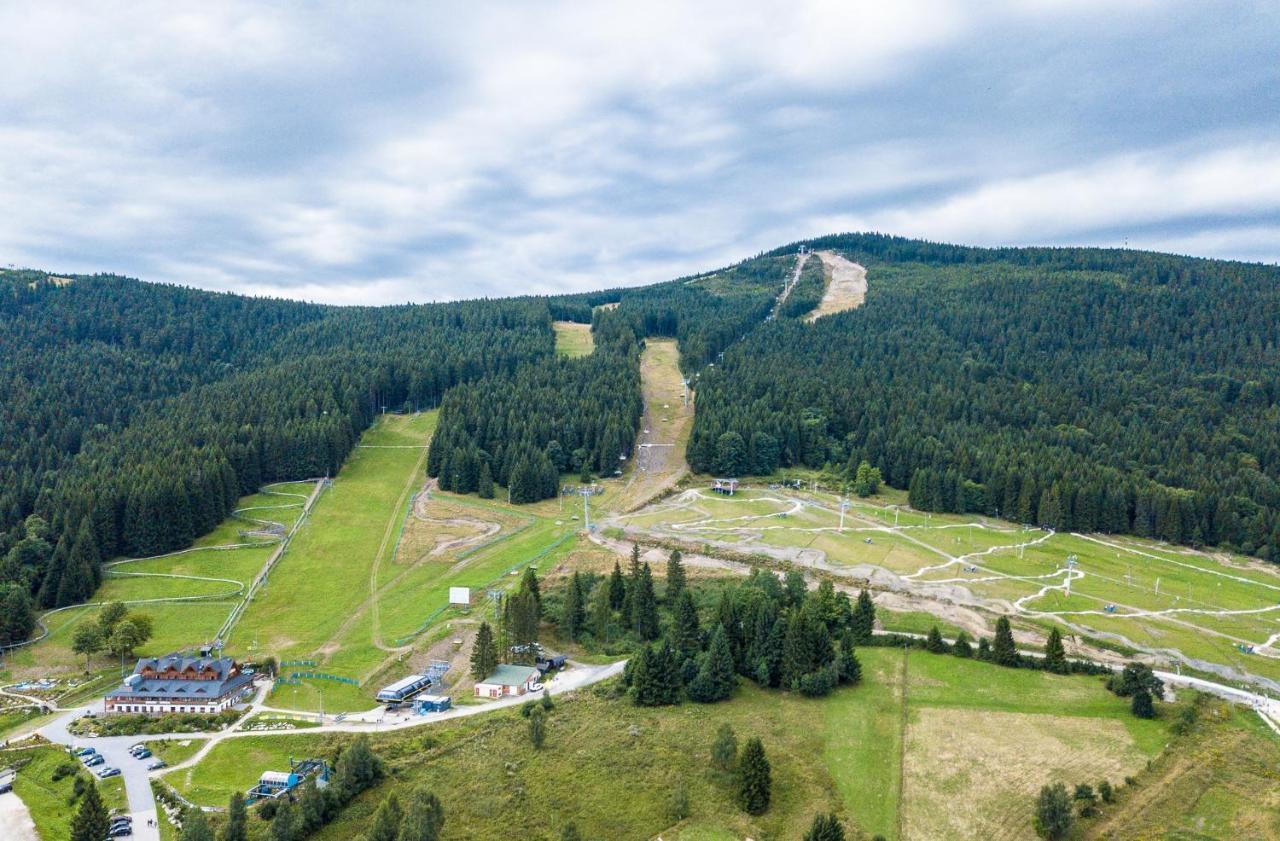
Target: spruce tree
{"x":484,"y":654}
{"x":1055,"y":656}
{"x":755,"y":779}
{"x":935,"y":643}
{"x":537,"y":727}
{"x":849,"y":667}
{"x":962,"y":647}
{"x":386,"y":821}
{"x":675,"y":577}
{"x":644,"y":606}
{"x":575,"y":611}
{"x":864,"y":618}
{"x":724,"y":750}
{"x":423,"y":819}
{"x":484,"y":485}
{"x":529,"y":584}
{"x":1053,"y":812}
{"x":984,"y":649}
{"x":825,"y":827}
{"x":1003,"y":651}
{"x":716,"y":678}
{"x":633,"y":578}
{"x":91,"y":822}
{"x":617,"y":588}
{"x":1141,"y":705}
{"x":236,"y":828}
{"x":686,"y":632}
{"x":601,"y":615}
{"x":195,"y":827}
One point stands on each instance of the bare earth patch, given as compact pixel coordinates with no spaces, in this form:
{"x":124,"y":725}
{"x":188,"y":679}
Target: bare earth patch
{"x":975,"y":773}
{"x":846,"y":286}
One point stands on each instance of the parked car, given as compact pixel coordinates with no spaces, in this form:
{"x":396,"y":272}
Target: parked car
{"x":94,"y":759}
{"x":120,"y":830}
{"x":115,"y":819}
{"x":156,"y":765}
{"x":109,"y":772}
{"x":138,"y":746}
{"x":85,"y":751}
{"x":142,"y":754}
{"x":536,"y":687}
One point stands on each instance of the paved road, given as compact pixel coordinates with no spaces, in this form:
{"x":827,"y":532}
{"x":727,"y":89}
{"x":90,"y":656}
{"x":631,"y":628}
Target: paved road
{"x":137,"y":785}
{"x":137,"y":779}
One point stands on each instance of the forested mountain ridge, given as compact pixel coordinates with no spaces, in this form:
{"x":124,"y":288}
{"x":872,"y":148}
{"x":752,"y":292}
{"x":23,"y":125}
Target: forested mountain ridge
{"x":133,"y":415}
{"x":1077,"y":388}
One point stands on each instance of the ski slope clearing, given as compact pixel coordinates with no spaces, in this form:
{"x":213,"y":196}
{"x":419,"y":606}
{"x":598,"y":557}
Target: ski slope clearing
{"x":846,"y":285}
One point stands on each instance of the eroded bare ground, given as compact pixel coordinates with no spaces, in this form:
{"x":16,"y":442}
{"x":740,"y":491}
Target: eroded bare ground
{"x":846,"y":285}
{"x":659,"y":462}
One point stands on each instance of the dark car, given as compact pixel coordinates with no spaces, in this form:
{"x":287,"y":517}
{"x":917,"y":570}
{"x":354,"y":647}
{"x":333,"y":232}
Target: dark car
{"x":94,"y":759}
{"x":120,"y":830}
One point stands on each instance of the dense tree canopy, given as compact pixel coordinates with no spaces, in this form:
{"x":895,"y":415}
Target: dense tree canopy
{"x":1075,"y":388}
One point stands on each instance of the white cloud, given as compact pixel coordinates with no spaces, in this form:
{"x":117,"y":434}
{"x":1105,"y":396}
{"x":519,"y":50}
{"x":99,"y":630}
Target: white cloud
{"x":385,"y":152}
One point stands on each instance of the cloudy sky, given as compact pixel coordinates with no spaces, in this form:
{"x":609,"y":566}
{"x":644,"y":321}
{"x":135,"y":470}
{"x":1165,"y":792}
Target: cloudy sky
{"x":370,"y":153}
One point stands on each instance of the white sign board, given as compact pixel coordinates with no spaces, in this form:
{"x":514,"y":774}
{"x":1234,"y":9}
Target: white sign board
{"x":460,"y":595}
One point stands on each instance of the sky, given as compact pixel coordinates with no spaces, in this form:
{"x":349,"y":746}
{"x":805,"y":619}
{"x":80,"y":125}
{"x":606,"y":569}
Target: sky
{"x":369,"y":153}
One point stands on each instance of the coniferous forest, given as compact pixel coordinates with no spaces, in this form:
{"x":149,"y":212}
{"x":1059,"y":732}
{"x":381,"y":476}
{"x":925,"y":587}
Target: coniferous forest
{"x":1075,"y":388}
{"x":1081,"y":389}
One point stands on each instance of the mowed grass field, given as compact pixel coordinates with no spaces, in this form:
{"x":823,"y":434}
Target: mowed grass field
{"x":1139,"y":594}
{"x":139,"y":583}
{"x":361,"y":585}
{"x":869,"y":753}
{"x":573,"y":339}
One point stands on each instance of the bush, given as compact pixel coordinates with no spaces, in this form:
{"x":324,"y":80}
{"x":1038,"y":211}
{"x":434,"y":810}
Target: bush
{"x":678,"y":807}
{"x":819,"y":683}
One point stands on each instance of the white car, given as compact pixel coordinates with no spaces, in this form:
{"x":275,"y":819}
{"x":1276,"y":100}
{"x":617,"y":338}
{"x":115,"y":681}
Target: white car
{"x":536,"y":687}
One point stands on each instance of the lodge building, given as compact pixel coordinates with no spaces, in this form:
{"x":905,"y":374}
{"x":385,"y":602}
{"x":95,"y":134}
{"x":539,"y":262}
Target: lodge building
{"x":179,"y":684}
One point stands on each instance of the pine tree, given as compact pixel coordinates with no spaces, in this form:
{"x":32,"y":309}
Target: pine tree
{"x":675,"y":577}
{"x":617,"y":588}
{"x":484,"y":654}
{"x":984,"y":649}
{"x":386,"y":821}
{"x":934,"y":643}
{"x":91,"y":822}
{"x":864,"y":618}
{"x":424,"y":818}
{"x":79,"y":576}
{"x":716,"y":679}
{"x":1141,"y":705}
{"x":644,"y":606}
{"x":825,"y":827}
{"x":1053,"y":812}
{"x":755,"y":780}
{"x":484,"y":485}
{"x":1055,"y":656}
{"x":1003,"y":651}
{"x":575,"y":612}
{"x":962,"y":647}
{"x":195,"y":827}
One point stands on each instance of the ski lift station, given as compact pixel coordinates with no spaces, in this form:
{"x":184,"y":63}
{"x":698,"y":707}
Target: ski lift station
{"x":273,"y":785}
{"x":404,"y":689}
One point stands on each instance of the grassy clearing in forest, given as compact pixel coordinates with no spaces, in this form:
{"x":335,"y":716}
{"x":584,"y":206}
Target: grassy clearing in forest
{"x":573,"y":339}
